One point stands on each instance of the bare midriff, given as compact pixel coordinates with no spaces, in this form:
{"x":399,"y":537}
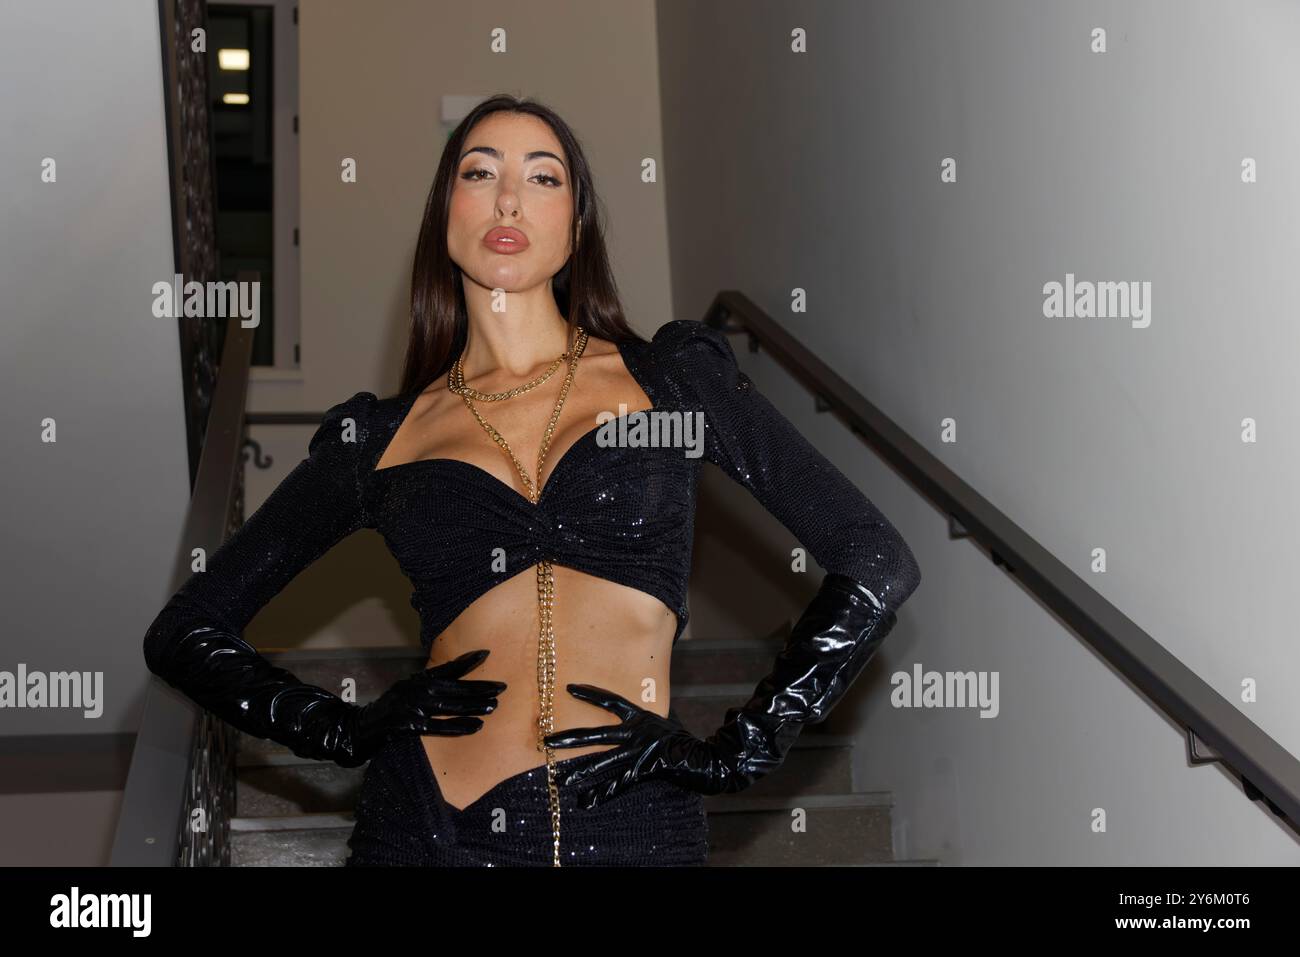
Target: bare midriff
{"x":606,"y":634}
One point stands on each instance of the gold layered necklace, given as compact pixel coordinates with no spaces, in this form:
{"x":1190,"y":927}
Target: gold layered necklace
{"x":545,"y":571}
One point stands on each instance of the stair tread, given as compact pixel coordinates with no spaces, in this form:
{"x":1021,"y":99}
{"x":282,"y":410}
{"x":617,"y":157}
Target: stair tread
{"x":742,"y":803}
{"x":714,"y":804}
{"x":294,"y":822}
{"x":921,"y":862}
{"x":270,"y":754}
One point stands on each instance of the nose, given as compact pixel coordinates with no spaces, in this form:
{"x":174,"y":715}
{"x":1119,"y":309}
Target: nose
{"x":507,"y":202}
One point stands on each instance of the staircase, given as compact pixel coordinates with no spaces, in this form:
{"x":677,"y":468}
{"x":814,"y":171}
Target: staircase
{"x":292,"y":811}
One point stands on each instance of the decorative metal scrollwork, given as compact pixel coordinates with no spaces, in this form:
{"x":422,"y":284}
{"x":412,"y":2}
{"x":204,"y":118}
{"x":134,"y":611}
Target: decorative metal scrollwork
{"x":193,"y":208}
{"x":210,"y":801}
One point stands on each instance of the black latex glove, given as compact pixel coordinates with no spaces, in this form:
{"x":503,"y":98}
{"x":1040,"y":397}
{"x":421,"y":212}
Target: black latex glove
{"x":653,"y":746}
{"x":825,"y":652}
{"x":224,"y":674}
{"x":435,"y":700}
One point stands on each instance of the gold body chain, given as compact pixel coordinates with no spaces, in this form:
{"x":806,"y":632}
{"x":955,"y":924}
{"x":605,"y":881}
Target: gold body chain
{"x":545,"y":571}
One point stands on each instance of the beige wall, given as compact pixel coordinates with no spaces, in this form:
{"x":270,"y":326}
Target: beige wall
{"x":371,"y":82}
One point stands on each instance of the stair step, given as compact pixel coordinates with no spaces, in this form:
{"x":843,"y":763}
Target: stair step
{"x":714,"y":660}
{"x":840,"y":830}
{"x":747,"y":802}
{"x":374,"y":671}
{"x":275,"y":783}
{"x":296,"y":788}
{"x":325,"y":820}
{"x":831,"y":835}
{"x":916,"y":863}
{"x":714,"y":804}
{"x":326,"y":847}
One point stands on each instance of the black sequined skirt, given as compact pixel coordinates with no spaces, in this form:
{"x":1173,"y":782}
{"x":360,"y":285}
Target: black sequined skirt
{"x":403,"y":820}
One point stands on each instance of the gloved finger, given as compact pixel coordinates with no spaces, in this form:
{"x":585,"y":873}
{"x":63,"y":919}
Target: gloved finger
{"x":603,"y":792}
{"x":449,"y":726}
{"x":604,"y":698}
{"x":607,"y":788}
{"x":460,"y":665}
{"x":453,"y":706}
{"x":619,"y":762}
{"x":465,"y":688}
{"x":580,"y":737}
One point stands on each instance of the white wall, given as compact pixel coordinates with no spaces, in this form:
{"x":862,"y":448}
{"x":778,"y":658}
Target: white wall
{"x":92,"y":520}
{"x":820,"y":171}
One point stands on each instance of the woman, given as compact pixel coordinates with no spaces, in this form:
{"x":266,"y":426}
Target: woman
{"x":511,"y":281}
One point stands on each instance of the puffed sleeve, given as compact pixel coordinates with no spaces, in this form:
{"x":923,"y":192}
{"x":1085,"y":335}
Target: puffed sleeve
{"x":316,"y":505}
{"x":758,"y":447}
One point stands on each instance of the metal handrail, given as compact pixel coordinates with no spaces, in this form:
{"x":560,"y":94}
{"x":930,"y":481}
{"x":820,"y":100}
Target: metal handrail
{"x":173,"y":770}
{"x":1266,"y":769}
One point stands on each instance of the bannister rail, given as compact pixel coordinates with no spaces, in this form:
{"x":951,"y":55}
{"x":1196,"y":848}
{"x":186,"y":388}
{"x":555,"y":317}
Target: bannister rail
{"x":179,"y":790}
{"x":180,"y":786}
{"x":1267,"y":770}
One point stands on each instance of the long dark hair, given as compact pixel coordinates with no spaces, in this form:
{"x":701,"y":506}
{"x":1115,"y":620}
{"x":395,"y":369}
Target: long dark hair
{"x":585,"y":291}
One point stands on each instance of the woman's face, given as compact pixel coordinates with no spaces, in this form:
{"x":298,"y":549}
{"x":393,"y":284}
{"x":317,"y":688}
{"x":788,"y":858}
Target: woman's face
{"x":512,"y":174}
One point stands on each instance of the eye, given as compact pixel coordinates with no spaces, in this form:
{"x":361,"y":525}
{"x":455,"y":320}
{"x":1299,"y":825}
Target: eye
{"x":473,"y":177}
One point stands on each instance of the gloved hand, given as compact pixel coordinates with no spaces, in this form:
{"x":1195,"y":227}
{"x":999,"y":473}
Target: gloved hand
{"x":432,"y":701}
{"x":224,"y":674}
{"x":654,"y":746}
{"x":825,"y":652}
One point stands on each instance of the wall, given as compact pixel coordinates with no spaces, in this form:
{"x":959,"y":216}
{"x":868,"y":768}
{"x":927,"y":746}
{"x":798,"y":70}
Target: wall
{"x":91,"y":519}
{"x":821,"y":171}
{"x":372,"y":79}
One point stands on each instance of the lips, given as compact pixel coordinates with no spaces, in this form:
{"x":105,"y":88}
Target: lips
{"x":505,"y":239}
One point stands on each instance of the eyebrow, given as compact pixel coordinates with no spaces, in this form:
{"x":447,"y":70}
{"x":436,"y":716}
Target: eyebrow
{"x":527,"y":156}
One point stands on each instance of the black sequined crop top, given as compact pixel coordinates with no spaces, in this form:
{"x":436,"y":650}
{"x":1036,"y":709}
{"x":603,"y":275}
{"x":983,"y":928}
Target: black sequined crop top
{"x":623,"y":512}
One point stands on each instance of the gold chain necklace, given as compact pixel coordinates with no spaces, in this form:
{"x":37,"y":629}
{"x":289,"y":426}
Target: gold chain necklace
{"x":545,"y":571}
{"x":456,"y":382}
